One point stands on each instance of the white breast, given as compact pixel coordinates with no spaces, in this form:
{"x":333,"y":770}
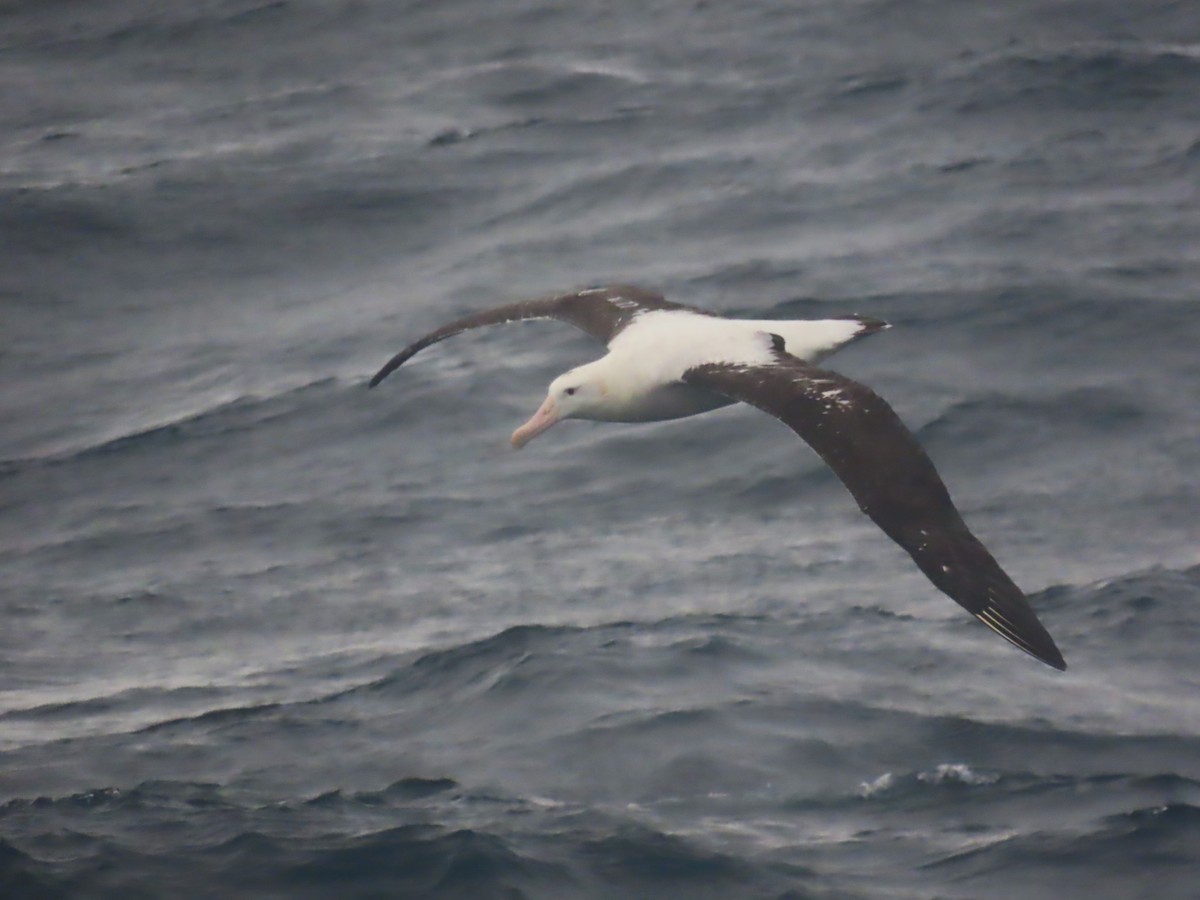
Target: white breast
{"x":656,"y":404}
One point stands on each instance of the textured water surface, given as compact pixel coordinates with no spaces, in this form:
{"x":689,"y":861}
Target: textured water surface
{"x":268,"y":634}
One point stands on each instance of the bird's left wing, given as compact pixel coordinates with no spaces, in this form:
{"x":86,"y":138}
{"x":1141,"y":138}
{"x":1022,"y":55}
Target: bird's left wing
{"x":601,"y":312}
{"x":879,"y":460}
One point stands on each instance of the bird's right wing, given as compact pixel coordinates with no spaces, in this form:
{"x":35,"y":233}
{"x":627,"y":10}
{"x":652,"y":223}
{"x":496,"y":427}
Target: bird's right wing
{"x":879,"y":460}
{"x":601,"y":312}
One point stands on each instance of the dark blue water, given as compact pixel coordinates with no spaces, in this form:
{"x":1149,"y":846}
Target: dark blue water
{"x":268,"y":634}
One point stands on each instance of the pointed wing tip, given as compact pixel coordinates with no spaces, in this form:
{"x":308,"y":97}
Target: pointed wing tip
{"x":1048,"y":655}
{"x":868,"y":324}
{"x":391,"y":366}
{"x":871,"y":325}
{"x":1033,"y":638}
{"x":1055,"y":661}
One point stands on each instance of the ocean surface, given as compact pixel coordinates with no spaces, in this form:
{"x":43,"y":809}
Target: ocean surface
{"x":268,"y":634}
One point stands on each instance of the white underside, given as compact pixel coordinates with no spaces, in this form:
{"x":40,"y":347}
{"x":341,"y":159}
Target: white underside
{"x":646,"y":362}
{"x":657,"y":404}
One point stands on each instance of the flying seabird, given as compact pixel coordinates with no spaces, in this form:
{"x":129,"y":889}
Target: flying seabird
{"x":666,"y":361}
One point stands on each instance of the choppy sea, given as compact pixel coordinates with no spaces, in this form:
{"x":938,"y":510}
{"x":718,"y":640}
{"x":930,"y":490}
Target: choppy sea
{"x":267,"y":634}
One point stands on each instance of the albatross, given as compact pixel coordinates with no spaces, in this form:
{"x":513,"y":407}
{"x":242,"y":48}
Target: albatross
{"x":666,"y":360}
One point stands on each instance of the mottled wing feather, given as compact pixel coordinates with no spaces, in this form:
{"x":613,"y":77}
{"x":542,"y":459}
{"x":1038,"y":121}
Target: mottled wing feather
{"x":879,"y":460}
{"x":600,"y":312}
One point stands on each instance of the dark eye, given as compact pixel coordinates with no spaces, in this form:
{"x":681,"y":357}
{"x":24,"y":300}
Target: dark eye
{"x":570,"y":392}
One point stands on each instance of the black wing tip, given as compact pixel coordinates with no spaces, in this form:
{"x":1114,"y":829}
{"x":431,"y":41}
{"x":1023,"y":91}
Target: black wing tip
{"x":1052,"y":657}
{"x":866,"y":324}
{"x":869,"y":324}
{"x":389,"y":367}
{"x":1033,"y":638}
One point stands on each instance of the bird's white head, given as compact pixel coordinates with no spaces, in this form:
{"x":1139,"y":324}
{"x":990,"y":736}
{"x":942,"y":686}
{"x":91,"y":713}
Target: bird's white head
{"x":572,"y":395}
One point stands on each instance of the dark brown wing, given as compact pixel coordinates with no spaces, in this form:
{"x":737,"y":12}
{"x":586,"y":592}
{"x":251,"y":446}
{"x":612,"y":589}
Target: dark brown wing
{"x":601,"y":312}
{"x":862,"y":439}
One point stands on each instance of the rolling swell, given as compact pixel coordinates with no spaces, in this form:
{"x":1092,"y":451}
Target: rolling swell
{"x":267,"y":634}
{"x":1090,"y":78}
{"x":242,"y":848}
{"x":416,"y":859}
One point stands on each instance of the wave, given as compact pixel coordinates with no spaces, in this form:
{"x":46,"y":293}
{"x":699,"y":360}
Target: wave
{"x":218,"y":419}
{"x":1150,"y":608}
{"x":102,"y":31}
{"x":1101,"y":77}
{"x":423,"y":860}
{"x":497,"y":675}
{"x":1112,"y":857}
{"x":429,"y":836}
{"x":524,"y":660}
{"x":1075,"y":414}
{"x":490,"y":674}
{"x":245,"y":848}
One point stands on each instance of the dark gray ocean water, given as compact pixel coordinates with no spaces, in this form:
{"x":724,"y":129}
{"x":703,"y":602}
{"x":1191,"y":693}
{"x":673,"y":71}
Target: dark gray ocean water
{"x":267,"y":634}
